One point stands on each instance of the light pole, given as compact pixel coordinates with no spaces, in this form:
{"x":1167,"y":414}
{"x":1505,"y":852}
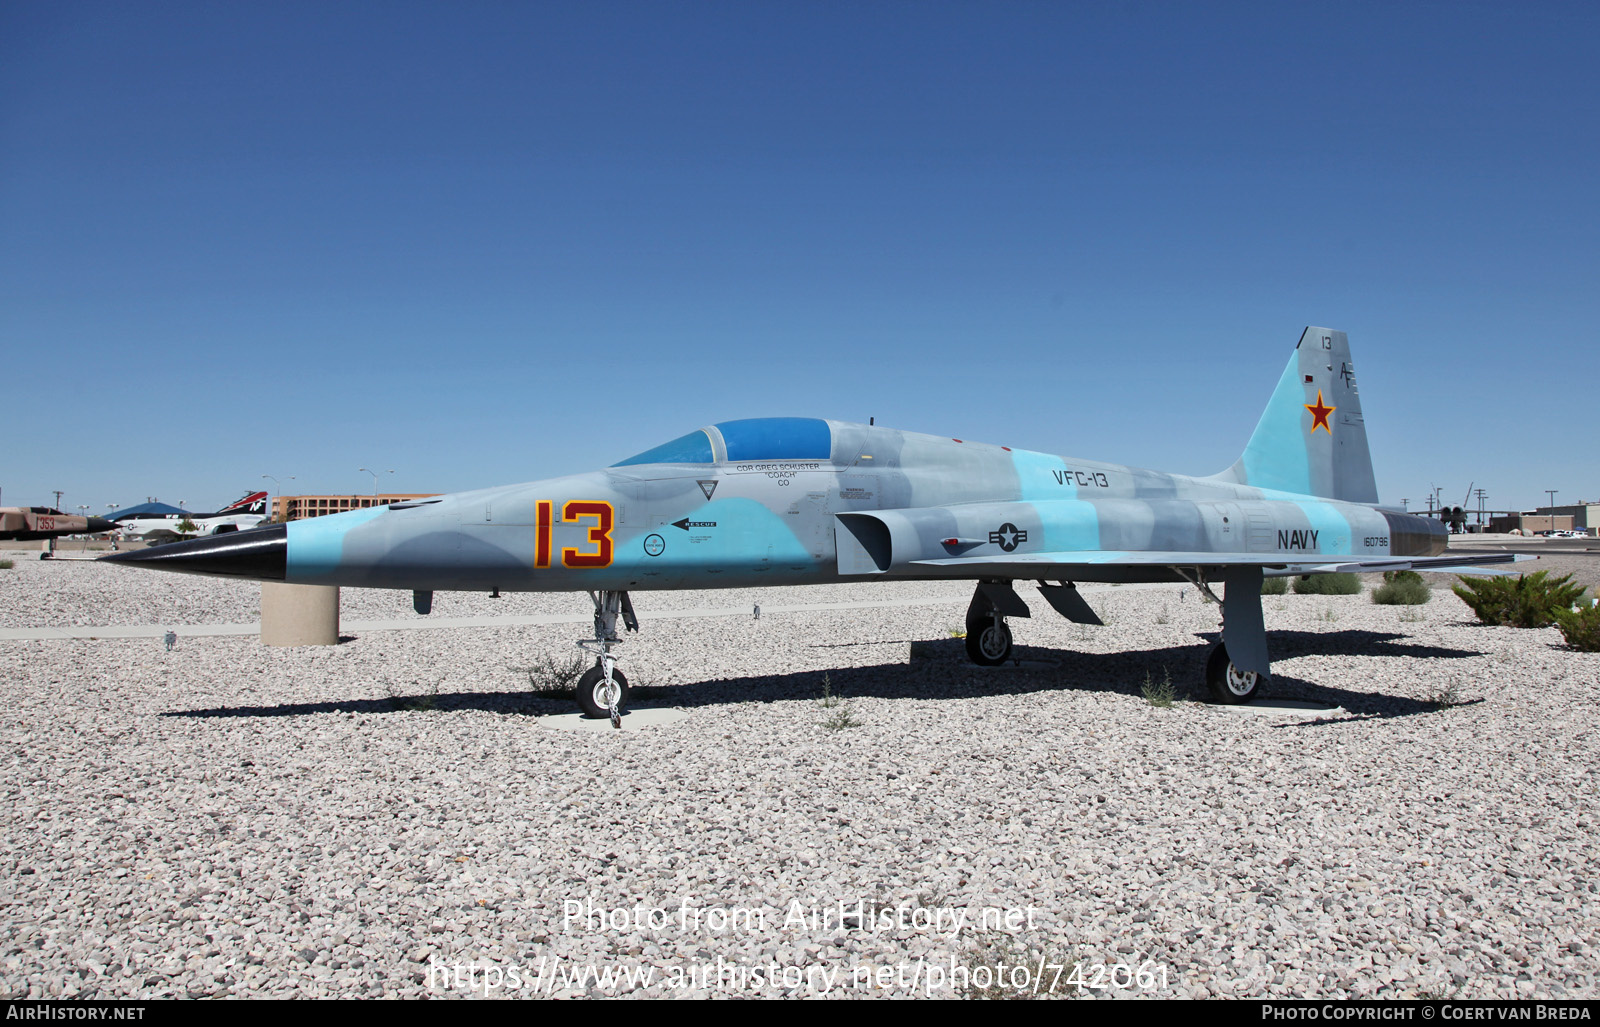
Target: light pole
{"x":1480,"y":509}
{"x":279,"y":487}
{"x":375,"y":478}
{"x":1552,"y":494}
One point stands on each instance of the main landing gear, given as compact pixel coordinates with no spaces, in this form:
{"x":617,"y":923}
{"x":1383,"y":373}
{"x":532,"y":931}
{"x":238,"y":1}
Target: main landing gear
{"x":1226,"y":682}
{"x":988,"y":636}
{"x":1244,"y":635}
{"x":603,"y":690}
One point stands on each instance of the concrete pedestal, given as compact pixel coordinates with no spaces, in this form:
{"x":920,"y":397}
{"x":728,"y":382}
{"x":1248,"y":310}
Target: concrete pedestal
{"x":299,"y":614}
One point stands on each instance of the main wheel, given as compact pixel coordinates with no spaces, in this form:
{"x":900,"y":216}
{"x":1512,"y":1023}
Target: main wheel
{"x":988,"y":643}
{"x":1228,"y":684}
{"x":592,"y":698}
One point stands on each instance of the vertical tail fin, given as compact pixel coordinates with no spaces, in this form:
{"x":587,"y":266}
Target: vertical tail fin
{"x":1311,"y":439}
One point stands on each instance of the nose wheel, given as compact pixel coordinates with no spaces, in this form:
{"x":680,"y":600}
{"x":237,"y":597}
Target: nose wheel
{"x":598,"y":697}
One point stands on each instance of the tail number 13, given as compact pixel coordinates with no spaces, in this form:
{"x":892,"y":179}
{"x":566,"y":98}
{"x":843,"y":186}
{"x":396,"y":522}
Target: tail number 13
{"x":599,"y":512}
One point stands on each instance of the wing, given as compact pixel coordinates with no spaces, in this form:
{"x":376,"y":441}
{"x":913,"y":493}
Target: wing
{"x":1088,"y":566}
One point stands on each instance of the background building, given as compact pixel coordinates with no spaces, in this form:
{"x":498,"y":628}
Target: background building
{"x":298,"y":508}
{"x":1585,"y":515}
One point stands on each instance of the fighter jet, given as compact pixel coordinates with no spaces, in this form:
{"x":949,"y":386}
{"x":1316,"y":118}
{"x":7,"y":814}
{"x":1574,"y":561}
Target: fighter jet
{"x":29,"y":523}
{"x":799,"y":501}
{"x":240,"y":514}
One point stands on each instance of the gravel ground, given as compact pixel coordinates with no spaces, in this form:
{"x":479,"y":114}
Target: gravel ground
{"x":228,"y":819}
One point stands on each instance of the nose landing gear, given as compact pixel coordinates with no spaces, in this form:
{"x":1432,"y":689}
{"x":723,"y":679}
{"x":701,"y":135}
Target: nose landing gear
{"x":603,"y":690}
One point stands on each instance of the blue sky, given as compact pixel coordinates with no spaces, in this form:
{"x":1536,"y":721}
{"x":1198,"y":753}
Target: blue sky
{"x":484,"y":243}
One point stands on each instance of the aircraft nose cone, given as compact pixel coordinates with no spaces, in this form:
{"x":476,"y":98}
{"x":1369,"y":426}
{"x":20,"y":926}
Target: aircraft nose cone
{"x":99,"y":525}
{"x":259,"y":553}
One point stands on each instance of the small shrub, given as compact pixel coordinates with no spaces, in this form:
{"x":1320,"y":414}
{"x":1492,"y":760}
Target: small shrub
{"x":828,"y":700}
{"x":6,"y":565}
{"x":1402,"y":588}
{"x":1328,"y":585}
{"x":842,"y":716}
{"x":1529,"y":601}
{"x":1413,"y":616}
{"x":1446,"y":697}
{"x":555,"y":677}
{"x":1581,"y":629}
{"x":1274,"y":586}
{"x":1159,"y":695}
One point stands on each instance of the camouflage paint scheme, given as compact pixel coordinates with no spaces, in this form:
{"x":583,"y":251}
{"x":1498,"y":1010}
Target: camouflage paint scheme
{"x":794,"y":501}
{"x":32,"y":523}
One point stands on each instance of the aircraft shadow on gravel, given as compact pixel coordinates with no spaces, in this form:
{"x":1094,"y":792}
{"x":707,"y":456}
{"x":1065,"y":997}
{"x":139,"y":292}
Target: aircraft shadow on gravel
{"x":941,"y":674}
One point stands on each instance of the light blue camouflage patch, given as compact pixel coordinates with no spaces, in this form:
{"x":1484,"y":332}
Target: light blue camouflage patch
{"x":1037,"y":476}
{"x":1276,"y":457}
{"x":316,"y":545}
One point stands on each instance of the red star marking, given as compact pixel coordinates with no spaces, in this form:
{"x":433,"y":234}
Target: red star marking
{"x":1319,"y":415}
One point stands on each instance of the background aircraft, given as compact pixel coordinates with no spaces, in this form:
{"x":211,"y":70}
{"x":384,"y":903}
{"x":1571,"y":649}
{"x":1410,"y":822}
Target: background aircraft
{"x":26,"y":523}
{"x":244,"y":513}
{"x":792,"y":501}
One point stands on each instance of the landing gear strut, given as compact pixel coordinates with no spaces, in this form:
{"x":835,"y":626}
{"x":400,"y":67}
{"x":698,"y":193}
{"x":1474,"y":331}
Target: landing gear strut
{"x":603,"y":691}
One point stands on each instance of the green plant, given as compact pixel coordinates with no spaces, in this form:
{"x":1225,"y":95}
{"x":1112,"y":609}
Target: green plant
{"x":828,"y":700}
{"x":957,"y":633}
{"x":1330,"y":614}
{"x":1274,"y":586}
{"x":1529,"y":601}
{"x":1163,"y":617}
{"x":842,"y":716}
{"x":6,"y":565}
{"x":1328,"y":585}
{"x":1581,"y":628}
{"x":1412,"y":616}
{"x":1402,"y":588}
{"x":1159,"y":695}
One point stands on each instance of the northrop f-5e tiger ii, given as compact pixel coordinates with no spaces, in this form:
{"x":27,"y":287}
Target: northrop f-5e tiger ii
{"x":800,"y":501}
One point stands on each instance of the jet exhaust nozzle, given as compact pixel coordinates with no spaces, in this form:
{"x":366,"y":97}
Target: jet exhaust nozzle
{"x":259,"y":553}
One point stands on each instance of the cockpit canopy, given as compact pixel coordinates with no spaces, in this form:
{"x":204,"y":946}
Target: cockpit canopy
{"x":756,"y":438}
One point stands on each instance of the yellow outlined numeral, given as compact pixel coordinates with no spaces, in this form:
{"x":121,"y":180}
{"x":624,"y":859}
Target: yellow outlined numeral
{"x":545,"y":510}
{"x":599,"y":534}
